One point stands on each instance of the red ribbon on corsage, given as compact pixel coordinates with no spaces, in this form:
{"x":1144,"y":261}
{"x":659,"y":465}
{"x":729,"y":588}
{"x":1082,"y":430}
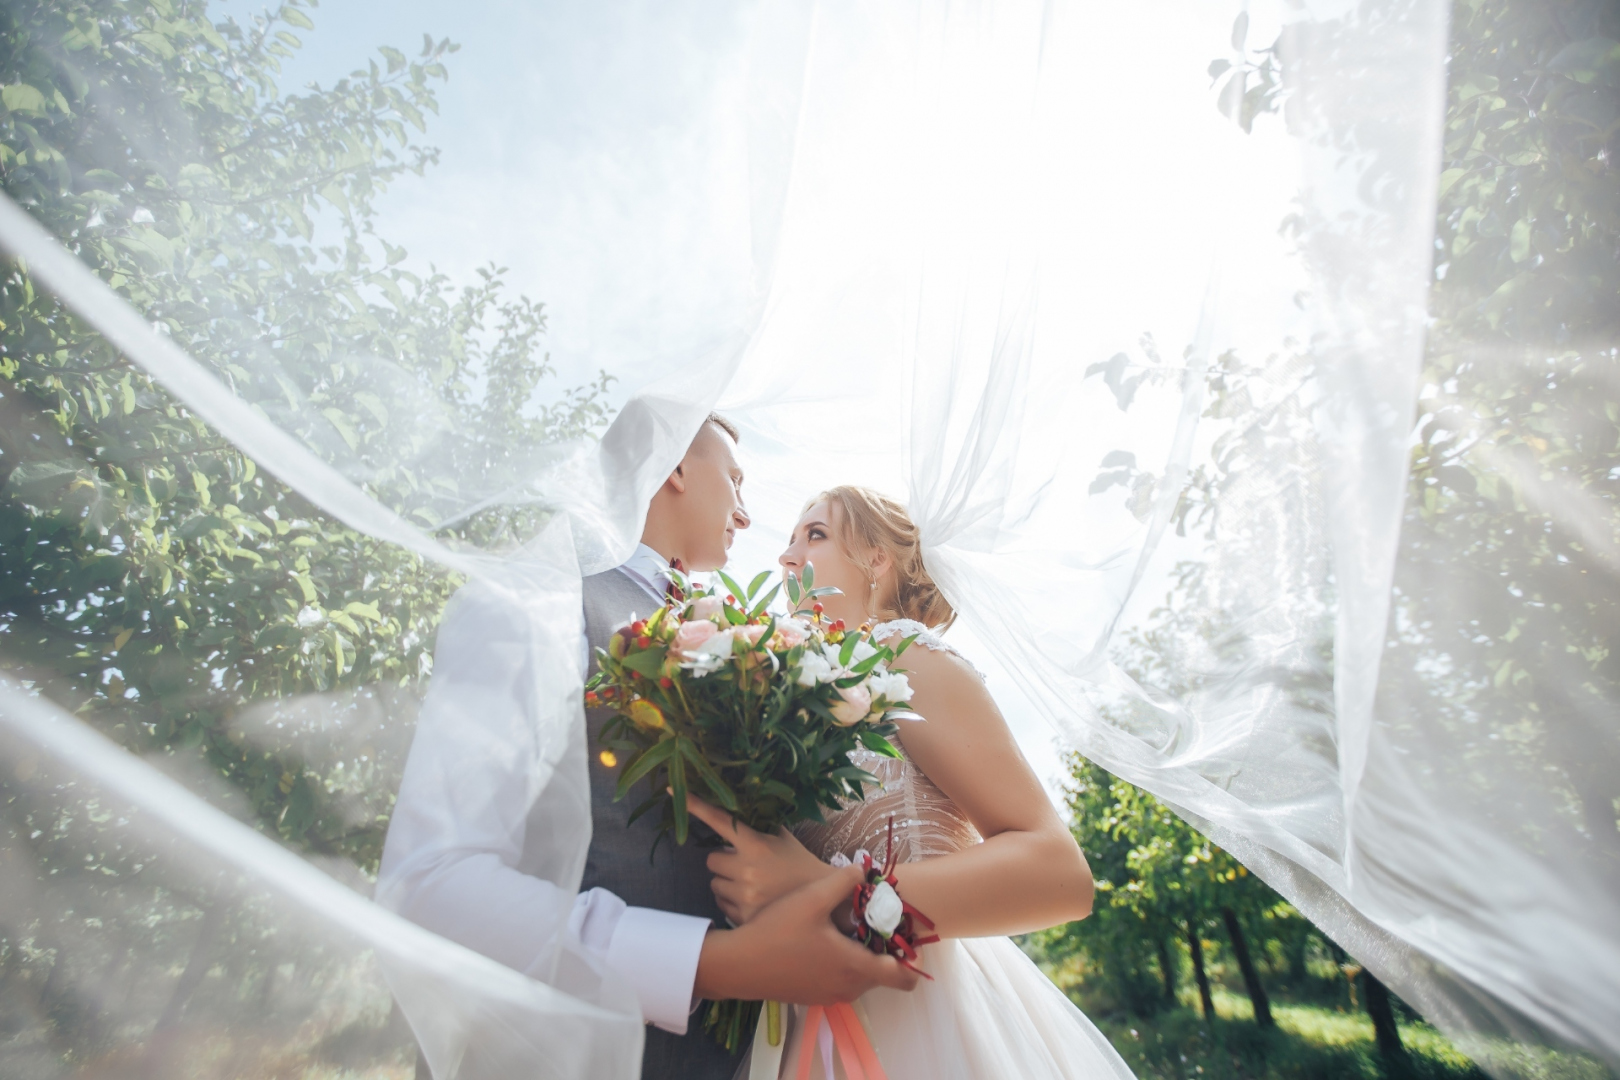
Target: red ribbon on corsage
{"x":884,"y":922}
{"x":887,"y":925}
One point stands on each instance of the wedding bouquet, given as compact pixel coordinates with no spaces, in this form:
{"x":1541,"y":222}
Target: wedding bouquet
{"x":753,"y":711}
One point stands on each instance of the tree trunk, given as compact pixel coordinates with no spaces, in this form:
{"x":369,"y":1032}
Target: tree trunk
{"x":1168,"y":971}
{"x":1383,"y":1018}
{"x":196,"y":968}
{"x":1196,"y":947}
{"x":1251,"y":977}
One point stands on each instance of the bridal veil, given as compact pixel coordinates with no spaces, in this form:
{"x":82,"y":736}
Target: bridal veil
{"x":1125,"y":300}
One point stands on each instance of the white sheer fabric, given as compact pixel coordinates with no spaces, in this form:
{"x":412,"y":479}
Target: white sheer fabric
{"x":963,"y":269}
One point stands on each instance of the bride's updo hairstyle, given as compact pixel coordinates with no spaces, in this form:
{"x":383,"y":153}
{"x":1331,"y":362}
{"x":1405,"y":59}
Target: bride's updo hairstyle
{"x":868,"y":522}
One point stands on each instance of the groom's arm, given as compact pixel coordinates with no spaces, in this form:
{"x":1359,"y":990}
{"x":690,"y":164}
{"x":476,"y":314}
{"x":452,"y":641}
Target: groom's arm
{"x":457,"y":837}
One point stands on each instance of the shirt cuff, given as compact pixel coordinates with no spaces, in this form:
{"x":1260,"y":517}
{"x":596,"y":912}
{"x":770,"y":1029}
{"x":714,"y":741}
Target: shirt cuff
{"x":657,"y":952}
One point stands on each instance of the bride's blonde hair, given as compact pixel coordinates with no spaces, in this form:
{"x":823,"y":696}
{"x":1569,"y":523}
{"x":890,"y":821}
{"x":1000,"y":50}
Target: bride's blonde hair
{"x":870,"y":521}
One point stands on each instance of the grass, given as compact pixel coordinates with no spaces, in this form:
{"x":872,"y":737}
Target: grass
{"x":1310,"y":1042}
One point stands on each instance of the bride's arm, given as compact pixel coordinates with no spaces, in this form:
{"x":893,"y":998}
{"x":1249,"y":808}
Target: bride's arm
{"x":1028,"y":874}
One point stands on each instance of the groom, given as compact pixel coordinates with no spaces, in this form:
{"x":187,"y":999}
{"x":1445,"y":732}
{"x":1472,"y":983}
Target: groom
{"x":466,"y":854}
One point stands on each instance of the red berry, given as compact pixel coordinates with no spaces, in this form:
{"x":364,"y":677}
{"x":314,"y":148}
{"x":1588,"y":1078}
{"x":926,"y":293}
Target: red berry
{"x":643,"y":641}
{"x":666,"y":682}
{"x":638,"y":628}
{"x":817,"y":608}
{"x":731,"y":599}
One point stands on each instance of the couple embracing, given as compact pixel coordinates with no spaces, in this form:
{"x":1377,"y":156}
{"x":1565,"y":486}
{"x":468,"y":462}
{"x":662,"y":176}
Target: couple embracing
{"x":978,"y":845}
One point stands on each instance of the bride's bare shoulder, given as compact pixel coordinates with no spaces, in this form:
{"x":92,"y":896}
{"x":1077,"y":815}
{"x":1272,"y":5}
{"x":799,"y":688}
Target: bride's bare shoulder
{"x":931,"y":659}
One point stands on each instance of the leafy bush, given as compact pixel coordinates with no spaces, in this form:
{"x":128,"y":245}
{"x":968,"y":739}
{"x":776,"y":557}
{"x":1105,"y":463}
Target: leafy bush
{"x":152,"y":576}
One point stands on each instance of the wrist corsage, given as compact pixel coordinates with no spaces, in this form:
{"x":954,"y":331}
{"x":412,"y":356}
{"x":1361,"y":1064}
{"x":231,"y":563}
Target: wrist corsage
{"x":884,"y":922}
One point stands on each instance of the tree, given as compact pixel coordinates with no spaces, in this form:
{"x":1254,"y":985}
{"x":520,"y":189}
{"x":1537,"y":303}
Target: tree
{"x":150,"y":573}
{"x":1158,"y":880}
{"x":153,"y":578}
{"x":1507,"y":600}
{"x":1501,"y":637}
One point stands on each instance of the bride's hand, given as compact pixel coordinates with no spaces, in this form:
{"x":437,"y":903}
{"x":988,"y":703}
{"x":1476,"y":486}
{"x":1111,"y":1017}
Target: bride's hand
{"x":757,"y":868}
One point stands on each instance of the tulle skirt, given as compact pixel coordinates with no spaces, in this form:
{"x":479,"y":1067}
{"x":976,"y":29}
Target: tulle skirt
{"x":989,"y":1013}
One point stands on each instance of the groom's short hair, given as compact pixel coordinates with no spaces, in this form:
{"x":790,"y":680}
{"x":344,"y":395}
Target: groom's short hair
{"x":724,"y":425}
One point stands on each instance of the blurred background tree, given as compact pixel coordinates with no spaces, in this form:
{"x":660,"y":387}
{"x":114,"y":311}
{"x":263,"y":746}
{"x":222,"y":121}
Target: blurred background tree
{"x":1511,"y":506}
{"x":156,"y":582}
{"x":150,"y":574}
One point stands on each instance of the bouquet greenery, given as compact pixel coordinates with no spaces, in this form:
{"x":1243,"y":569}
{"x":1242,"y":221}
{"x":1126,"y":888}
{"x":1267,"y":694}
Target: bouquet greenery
{"x":754,"y":711}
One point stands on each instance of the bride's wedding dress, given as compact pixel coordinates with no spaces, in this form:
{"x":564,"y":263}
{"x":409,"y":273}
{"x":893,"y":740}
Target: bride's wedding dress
{"x":989,"y":1012}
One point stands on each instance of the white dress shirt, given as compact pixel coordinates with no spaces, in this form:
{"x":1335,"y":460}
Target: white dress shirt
{"x":459,"y":859}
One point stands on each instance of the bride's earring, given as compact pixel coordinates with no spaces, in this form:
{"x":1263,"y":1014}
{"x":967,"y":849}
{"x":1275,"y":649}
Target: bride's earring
{"x":871,"y":595}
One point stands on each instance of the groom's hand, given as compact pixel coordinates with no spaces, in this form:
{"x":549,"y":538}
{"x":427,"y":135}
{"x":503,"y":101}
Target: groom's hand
{"x":792,"y":952}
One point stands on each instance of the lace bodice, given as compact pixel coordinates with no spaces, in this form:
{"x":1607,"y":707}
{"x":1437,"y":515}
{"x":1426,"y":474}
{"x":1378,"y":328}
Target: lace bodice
{"x":926,"y":823}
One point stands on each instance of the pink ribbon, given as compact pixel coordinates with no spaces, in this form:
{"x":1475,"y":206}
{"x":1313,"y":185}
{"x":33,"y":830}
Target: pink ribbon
{"x":848,"y":1036}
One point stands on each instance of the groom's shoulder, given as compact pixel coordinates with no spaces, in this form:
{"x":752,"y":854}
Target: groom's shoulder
{"x":610,"y":584}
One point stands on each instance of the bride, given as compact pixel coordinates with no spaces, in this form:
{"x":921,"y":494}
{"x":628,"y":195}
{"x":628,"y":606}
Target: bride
{"x":979,"y":848}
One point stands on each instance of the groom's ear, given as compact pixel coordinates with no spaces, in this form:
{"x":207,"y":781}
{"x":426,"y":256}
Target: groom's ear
{"x":677,"y":479}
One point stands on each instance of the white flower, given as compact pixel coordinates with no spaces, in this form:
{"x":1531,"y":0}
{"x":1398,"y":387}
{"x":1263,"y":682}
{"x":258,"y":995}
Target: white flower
{"x":883,"y":909}
{"x":710,"y":656}
{"x":863,"y":649}
{"x":814,"y":668}
{"x":890,"y":685}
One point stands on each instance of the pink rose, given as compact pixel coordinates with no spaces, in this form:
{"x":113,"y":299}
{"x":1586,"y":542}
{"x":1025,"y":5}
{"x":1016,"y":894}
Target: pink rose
{"x":751,"y":633}
{"x":791,"y":633}
{"x":692,"y":634}
{"x":855,"y":704}
{"x":706,"y":607}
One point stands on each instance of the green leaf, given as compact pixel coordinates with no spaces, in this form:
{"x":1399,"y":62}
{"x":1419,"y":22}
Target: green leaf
{"x":792,"y":582}
{"x":809,"y":576}
{"x":646,"y":805}
{"x":648,"y":662}
{"x":868,"y":664}
{"x":677,"y":783}
{"x":366,"y":611}
{"x":877,"y":743}
{"x":759,"y":579}
{"x":904,"y":645}
{"x":732,"y":586}
{"x":848,"y":649}
{"x":1519,"y":240}
{"x":711,"y":778}
{"x":20,"y":97}
{"x":850,"y":772}
{"x":655,"y":756}
{"x":764,"y":602}
{"x":396,"y":59}
{"x":777,"y":789}
{"x":293,"y":17}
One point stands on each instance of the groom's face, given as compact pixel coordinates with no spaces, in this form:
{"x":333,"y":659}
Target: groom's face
{"x":712,"y":506}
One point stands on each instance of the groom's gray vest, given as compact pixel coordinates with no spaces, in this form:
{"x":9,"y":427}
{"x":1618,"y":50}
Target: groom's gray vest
{"x":676,"y":879}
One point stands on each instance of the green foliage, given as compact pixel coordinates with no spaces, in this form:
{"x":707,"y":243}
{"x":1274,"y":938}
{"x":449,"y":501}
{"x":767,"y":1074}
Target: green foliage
{"x":1507,"y":601}
{"x":1308,"y":1043}
{"x":1505,"y":604}
{"x":151,"y":576}
{"x":1156,"y":878}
